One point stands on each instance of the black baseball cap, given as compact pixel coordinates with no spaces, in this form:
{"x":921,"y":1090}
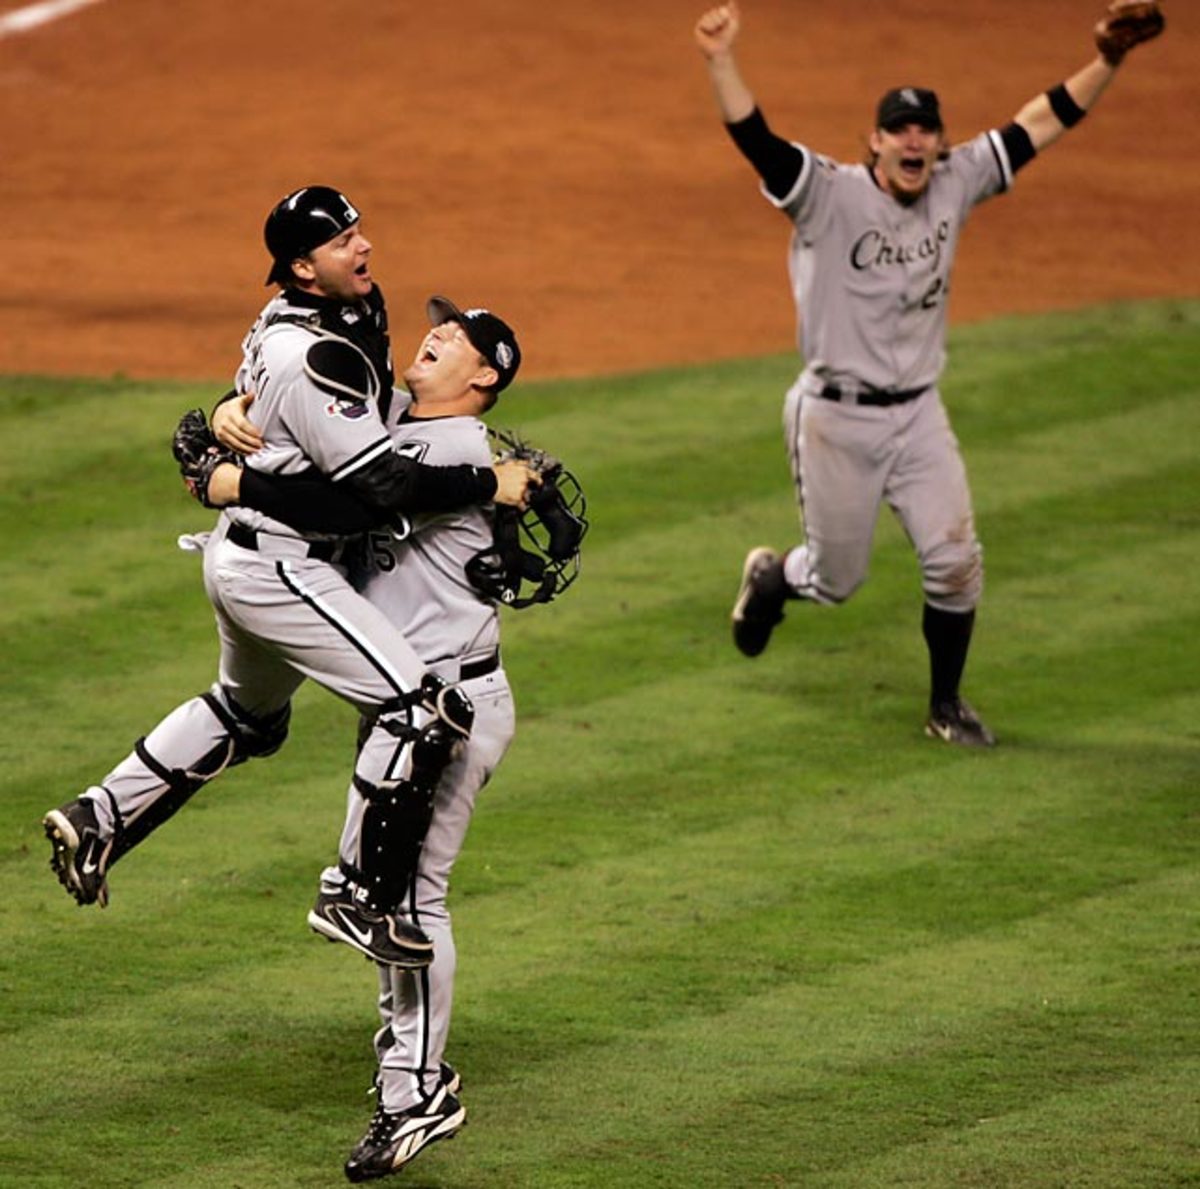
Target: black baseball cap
{"x":909,"y":105}
{"x":492,"y":337}
{"x":303,"y":220}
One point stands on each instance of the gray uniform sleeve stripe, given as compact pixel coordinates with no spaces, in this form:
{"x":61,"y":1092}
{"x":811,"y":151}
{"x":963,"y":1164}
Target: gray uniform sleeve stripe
{"x":1000,"y":152}
{"x":375,"y":450}
{"x":801,"y":181}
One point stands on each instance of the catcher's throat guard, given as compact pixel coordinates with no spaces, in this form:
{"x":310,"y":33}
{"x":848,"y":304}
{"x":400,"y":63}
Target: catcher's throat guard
{"x":534,"y":555}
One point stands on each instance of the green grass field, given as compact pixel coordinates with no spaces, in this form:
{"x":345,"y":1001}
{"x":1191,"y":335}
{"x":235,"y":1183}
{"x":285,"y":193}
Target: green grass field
{"x":721,"y":923}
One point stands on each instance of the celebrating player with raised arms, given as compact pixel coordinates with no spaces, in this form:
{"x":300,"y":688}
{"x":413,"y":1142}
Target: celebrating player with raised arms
{"x":871,"y":252}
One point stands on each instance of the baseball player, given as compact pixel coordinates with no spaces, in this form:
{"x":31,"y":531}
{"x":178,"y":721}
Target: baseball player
{"x":418,"y":579}
{"x":871,"y":252}
{"x":318,"y":358}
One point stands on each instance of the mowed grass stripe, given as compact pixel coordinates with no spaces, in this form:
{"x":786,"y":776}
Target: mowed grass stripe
{"x":1121,"y":1133}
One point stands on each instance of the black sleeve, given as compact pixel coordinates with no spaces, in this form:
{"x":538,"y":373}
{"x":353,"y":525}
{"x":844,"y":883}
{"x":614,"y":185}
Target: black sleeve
{"x":392,"y":483}
{"x":777,"y":161}
{"x":309,"y":502}
{"x":1018,"y":145}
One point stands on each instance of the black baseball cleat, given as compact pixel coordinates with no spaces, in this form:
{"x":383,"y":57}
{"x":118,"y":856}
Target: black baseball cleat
{"x":395,"y":1138}
{"x":957,"y":722}
{"x":760,"y":600}
{"x":80,"y":856}
{"x":383,"y":937}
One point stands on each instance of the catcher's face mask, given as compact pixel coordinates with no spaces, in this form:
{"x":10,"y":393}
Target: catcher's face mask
{"x":535,"y":554}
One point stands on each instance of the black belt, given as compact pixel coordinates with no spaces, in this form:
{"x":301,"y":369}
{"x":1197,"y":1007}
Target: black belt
{"x":248,"y":538}
{"x":481,"y":667}
{"x":873,"y":396}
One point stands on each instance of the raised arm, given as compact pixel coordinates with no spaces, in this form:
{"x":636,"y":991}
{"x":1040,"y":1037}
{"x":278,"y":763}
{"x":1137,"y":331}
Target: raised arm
{"x":1126,"y":24}
{"x":778,"y":162}
{"x":716,"y":31}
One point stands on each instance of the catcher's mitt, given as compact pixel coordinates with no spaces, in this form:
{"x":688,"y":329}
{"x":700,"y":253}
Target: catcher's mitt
{"x":1125,"y":24}
{"x":198,"y":454}
{"x":535,"y":553}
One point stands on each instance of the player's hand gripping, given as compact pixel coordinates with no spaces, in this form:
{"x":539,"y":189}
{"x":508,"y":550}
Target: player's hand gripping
{"x":200,"y":456}
{"x":233,"y":428}
{"x":513,"y":481}
{"x":717,"y":29}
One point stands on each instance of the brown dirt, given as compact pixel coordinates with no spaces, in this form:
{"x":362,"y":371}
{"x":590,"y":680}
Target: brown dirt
{"x":561,"y":163}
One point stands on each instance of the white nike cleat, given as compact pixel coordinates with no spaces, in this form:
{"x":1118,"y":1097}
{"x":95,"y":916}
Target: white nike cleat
{"x":80,"y":856}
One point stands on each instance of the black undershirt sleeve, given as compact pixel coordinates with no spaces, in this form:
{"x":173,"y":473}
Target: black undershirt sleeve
{"x":392,"y":483}
{"x":777,"y":161}
{"x":370,"y":498}
{"x":309,"y":502}
{"x":1018,"y":145}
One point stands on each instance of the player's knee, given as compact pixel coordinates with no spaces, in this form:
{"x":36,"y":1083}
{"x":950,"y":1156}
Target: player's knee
{"x":448,"y":704}
{"x":253,"y":735}
{"x":824,"y":574}
{"x":835,"y":591}
{"x":953,"y":576}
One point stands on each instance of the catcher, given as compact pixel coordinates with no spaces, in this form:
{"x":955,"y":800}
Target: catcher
{"x":871,"y":254}
{"x":439,"y":579}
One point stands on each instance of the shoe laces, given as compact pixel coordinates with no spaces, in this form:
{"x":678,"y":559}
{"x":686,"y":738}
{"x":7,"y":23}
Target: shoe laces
{"x":381,"y":1125}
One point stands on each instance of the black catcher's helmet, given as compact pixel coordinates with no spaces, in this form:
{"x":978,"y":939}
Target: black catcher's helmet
{"x":305,"y":219}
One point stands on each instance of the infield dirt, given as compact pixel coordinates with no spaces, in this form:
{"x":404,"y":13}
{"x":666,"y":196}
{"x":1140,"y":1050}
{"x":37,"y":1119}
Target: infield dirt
{"x":560,"y":163}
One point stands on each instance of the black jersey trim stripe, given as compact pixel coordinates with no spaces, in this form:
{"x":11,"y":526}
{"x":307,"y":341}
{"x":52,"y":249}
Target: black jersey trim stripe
{"x":375,"y":450}
{"x":346,"y":630}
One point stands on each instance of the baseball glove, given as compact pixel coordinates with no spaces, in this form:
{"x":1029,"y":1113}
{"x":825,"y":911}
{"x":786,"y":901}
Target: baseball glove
{"x":199,"y":454}
{"x":1125,"y":24}
{"x":534,"y":554}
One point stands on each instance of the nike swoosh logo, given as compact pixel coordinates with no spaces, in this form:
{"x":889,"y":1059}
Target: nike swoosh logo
{"x":942,"y":732}
{"x":349,"y":926}
{"x":89,"y":867}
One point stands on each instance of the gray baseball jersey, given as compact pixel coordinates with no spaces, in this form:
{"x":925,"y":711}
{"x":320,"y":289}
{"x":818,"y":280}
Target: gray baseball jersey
{"x":418,"y":581}
{"x":869,"y":275}
{"x":303,"y":423}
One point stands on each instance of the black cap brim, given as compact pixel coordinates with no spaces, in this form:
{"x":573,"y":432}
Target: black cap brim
{"x":442,"y":309}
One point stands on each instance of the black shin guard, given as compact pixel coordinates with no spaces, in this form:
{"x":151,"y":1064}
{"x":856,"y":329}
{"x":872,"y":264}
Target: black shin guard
{"x":395,"y":821}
